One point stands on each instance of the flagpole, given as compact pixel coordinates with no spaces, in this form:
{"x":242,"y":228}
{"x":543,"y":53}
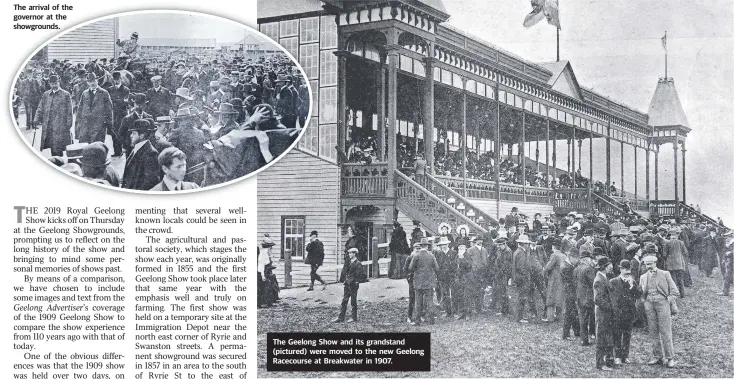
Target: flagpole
{"x":558,"y":48}
{"x":666,"y":55}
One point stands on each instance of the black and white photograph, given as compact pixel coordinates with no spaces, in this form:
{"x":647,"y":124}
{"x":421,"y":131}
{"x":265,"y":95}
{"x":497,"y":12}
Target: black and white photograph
{"x":544,"y":186}
{"x":160,"y":101}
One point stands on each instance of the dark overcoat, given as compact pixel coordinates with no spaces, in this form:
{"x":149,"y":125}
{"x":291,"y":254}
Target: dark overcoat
{"x":56,"y":118}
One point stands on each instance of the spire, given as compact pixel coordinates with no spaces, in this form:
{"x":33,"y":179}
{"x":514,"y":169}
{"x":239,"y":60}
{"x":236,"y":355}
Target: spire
{"x":665,"y":107}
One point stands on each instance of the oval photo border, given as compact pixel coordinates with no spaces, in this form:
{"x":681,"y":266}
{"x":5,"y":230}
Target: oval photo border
{"x":157,"y":193}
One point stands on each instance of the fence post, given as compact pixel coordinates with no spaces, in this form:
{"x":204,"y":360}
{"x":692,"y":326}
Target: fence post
{"x":375,"y":259}
{"x":287,"y":268}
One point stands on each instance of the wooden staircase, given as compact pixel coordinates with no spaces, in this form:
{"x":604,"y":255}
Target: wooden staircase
{"x":584,"y":200}
{"x":666,"y":209}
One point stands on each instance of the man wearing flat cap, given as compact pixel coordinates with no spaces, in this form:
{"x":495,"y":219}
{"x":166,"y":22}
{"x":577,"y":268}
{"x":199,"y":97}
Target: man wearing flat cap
{"x":141,"y":169}
{"x":355,"y":275}
{"x":625,"y":292}
{"x":55,"y":118}
{"x":119,"y":94}
{"x":160,"y":99}
{"x":95,"y":112}
{"x":658,"y":292}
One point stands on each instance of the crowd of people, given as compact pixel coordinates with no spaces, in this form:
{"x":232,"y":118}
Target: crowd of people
{"x":597,"y":277}
{"x":193,"y":123}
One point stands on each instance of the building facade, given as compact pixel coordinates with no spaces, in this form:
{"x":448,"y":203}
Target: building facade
{"x":91,"y":41}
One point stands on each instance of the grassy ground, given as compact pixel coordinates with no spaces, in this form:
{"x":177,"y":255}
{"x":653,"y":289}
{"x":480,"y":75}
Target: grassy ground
{"x":490,"y":346}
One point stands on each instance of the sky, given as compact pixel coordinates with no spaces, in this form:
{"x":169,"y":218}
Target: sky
{"x":177,"y":25}
{"x":615,"y":48}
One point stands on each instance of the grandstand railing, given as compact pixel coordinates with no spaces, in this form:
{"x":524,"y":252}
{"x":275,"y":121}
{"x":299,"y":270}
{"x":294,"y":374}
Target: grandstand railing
{"x":484,"y":189}
{"x":362,"y":180}
{"x":567,"y":200}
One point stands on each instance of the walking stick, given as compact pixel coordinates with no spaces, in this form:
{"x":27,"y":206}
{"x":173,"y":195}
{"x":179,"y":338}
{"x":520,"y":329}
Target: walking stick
{"x":35,"y":129}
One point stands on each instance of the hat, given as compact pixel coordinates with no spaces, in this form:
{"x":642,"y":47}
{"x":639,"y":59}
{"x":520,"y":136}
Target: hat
{"x":625,"y":264}
{"x":95,"y":155}
{"x":424,"y":242}
{"x":603,"y":262}
{"x":180,"y":63}
{"x":514,"y":209}
{"x":214,"y":83}
{"x":353,"y":250}
{"x":555,"y":242}
{"x":617,"y":232}
{"x":545,"y":227}
{"x":603,"y":216}
{"x":314,"y":233}
{"x":649,"y":258}
{"x":184,"y":113}
{"x":444,"y":225}
{"x":156,"y":77}
{"x":523,"y":238}
{"x":75,"y":150}
{"x":81,"y":72}
{"x":267,"y":241}
{"x":630,"y":238}
{"x":116,"y":75}
{"x":675,"y":230}
{"x":598,"y":251}
{"x":650,"y":248}
{"x":226,"y":108}
{"x":589,"y":232}
{"x":578,"y":215}
{"x":163,"y":118}
{"x":91,"y":76}
{"x":53,"y":79}
{"x":282,"y":78}
{"x":142,"y":125}
{"x":443,"y":241}
{"x":573,"y":252}
{"x":500,"y":240}
{"x":224,"y":78}
{"x":463,"y":227}
{"x":184,"y":92}
{"x":234,"y":72}
{"x":417,"y":244}
{"x":134,"y":35}
{"x":583,"y":253}
{"x":139,"y":98}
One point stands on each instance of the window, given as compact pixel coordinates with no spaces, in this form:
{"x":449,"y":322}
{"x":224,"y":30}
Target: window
{"x":457,"y":82}
{"x":561,"y":116}
{"x":270,"y":30}
{"x":309,"y":29}
{"x":481,"y":89}
{"x":418,"y":68}
{"x":511,"y":98}
{"x":310,"y":140}
{"x":293,"y":232}
{"x":437,"y":74}
{"x":328,"y":32}
{"x":446,"y":77}
{"x":328,"y":68}
{"x":471,"y":86}
{"x":406,"y":64}
{"x":288,"y":28}
{"x":290,"y":45}
{"x":327,"y":105}
{"x":309,"y":60}
{"x":314,"y":97}
{"x":327,"y":141}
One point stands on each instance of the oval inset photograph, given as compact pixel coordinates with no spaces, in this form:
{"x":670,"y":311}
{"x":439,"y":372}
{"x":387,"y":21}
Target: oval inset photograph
{"x":160,"y":101}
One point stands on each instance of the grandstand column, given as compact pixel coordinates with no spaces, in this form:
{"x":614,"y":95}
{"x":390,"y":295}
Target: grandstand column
{"x":428,"y":110}
{"x":647,"y":174}
{"x":392,"y":112}
{"x":683,"y":150}
{"x":497,"y":152}
{"x":522,"y":161}
{"x":464,"y":137}
{"x":581,"y":140}
{"x":635,"y":150}
{"x":572,"y":145}
{"x":381,"y":110}
{"x":609,"y":166}
{"x":547,"y":166}
{"x":621,"y":165}
{"x":555,"y":138}
{"x":675,"y":173}
{"x":657,"y":151}
{"x":591,"y":160}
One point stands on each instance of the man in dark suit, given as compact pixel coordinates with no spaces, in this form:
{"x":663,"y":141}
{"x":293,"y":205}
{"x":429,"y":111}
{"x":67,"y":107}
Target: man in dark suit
{"x":160,"y":99}
{"x":479,"y":256}
{"x":55,"y":117}
{"x":137,"y":113}
{"x":190,"y":140}
{"x":95,"y":112}
{"x":355,"y":275}
{"x":503,"y":273}
{"x":603,"y":313}
{"x":285,"y":103}
{"x":571,"y":315}
{"x":424,"y":268}
{"x":584,"y":277}
{"x":409,"y":277}
{"x":141,"y":169}
{"x":173,"y":164}
{"x":118,"y":94}
{"x":315,"y":258}
{"x":625,"y":292}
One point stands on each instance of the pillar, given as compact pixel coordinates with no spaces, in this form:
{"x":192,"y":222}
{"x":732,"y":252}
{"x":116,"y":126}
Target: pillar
{"x":609,"y":165}
{"x":591,"y":161}
{"x":684,"y":172}
{"x":498,"y":138}
{"x":555,"y":138}
{"x":573,"y":158}
{"x":381,"y":112}
{"x":635,"y":149}
{"x":392,"y":114}
{"x":522,"y":159}
{"x":657,"y":151}
{"x":341,"y":112}
{"x":428,"y":110}
{"x":647,"y":174}
{"x":547,"y":166}
{"x":464,"y":137}
{"x":675,"y":174}
{"x":621,"y":165}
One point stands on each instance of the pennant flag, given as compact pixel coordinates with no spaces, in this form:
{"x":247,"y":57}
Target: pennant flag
{"x":547,"y":9}
{"x":665,"y":42}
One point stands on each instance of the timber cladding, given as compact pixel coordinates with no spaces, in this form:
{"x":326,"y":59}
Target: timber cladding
{"x":299,"y":191}
{"x":91,"y":41}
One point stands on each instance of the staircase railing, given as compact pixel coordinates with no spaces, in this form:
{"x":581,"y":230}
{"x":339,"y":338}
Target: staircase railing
{"x":445,"y":193}
{"x":420,"y":204}
{"x":608,"y":206}
{"x":567,"y":200}
{"x":688,"y":211}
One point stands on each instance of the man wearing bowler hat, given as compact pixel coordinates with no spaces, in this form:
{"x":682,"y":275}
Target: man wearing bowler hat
{"x":625,"y":292}
{"x":119,"y":94}
{"x":190,"y":139}
{"x":55,"y":118}
{"x":658,"y":291}
{"x":95,"y":112}
{"x":285,"y":103}
{"x":139,"y":101}
{"x":160,"y":99}
{"x":315,"y":258}
{"x":523,"y":270}
{"x":141,"y":169}
{"x":94,"y":163}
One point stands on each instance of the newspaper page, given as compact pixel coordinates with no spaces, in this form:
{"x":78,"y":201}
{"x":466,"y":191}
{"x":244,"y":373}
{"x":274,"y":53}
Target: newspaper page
{"x":407,"y":188}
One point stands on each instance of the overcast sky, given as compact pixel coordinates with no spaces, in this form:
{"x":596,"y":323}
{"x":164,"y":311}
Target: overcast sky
{"x":177,"y":25}
{"x":614,"y":47}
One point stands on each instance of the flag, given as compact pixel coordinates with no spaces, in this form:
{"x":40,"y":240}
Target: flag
{"x":547,"y":9}
{"x":665,"y":42}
